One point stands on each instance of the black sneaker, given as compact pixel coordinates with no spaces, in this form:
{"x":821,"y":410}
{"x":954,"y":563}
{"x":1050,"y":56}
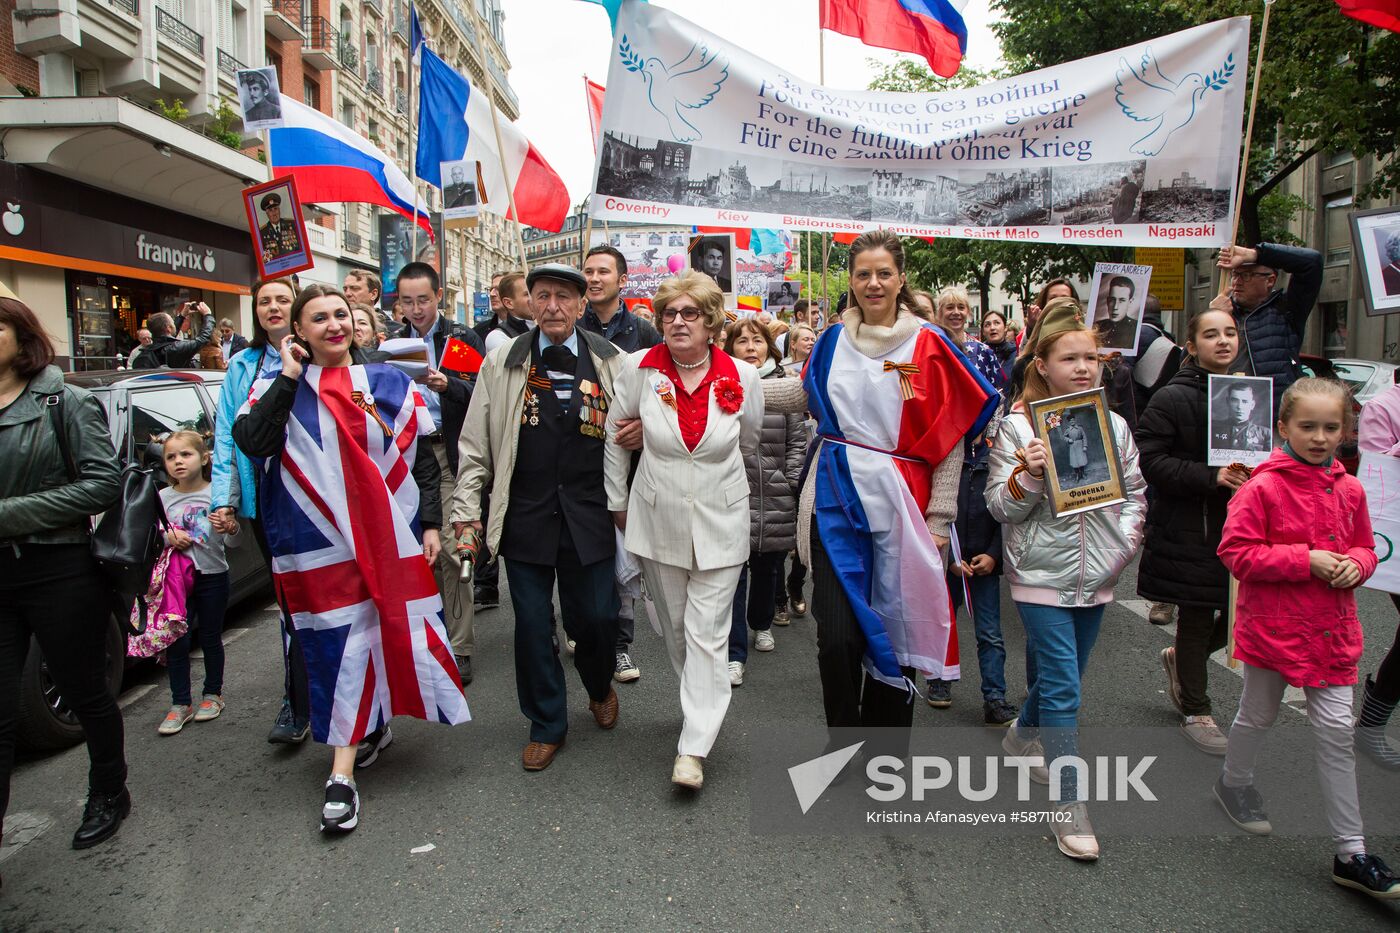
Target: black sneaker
{"x":1367,"y":874}
{"x":486,"y":598}
{"x":367,"y":752}
{"x":287,"y":730}
{"x":341,"y":812}
{"x":940,"y":694}
{"x":999,"y":712}
{"x":1244,"y":806}
{"x":464,"y":668}
{"x":102,"y":817}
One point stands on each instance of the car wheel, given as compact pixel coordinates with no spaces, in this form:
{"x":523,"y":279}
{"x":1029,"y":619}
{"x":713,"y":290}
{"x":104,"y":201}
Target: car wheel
{"x":45,"y":721}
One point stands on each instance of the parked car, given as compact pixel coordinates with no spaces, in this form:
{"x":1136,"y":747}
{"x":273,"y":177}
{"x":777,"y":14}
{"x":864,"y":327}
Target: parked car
{"x":139,"y":408}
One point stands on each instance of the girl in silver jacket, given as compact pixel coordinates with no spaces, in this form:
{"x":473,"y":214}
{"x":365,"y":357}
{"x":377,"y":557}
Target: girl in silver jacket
{"x":1062,"y":570}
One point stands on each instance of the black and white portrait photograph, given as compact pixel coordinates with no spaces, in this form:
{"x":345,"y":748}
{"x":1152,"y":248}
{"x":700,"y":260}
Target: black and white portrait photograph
{"x":460,"y":207}
{"x":1084,"y":471}
{"x":1240,"y":420}
{"x":1116,"y":300}
{"x":1375,"y":238}
{"x":259,"y":97}
{"x":783,"y":295}
{"x":713,"y":254}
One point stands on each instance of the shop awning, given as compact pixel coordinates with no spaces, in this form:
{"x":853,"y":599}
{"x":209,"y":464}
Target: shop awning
{"x":115,"y":145}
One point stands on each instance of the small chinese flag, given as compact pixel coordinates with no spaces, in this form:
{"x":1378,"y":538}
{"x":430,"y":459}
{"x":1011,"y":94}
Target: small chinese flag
{"x":460,"y":358}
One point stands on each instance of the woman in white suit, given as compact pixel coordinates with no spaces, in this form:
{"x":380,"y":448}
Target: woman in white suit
{"x":687,"y":516}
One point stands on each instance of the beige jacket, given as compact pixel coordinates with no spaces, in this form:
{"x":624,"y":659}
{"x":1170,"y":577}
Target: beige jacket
{"x":491,"y":433}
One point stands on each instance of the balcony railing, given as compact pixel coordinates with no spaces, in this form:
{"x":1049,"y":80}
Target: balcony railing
{"x":131,"y":6}
{"x":230,"y":65}
{"x":401,"y":26}
{"x":401,"y":101}
{"x":288,"y":8}
{"x":376,"y":5}
{"x":347,"y":52}
{"x":321,"y":49}
{"x":374,"y":79}
{"x":178,"y":33}
{"x":353,"y":241}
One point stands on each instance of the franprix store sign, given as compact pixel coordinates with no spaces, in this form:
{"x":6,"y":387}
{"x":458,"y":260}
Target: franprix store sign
{"x":49,"y":220}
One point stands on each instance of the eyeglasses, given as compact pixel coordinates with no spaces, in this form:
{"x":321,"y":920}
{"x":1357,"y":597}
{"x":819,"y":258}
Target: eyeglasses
{"x":688,"y":315}
{"x":1240,"y":275}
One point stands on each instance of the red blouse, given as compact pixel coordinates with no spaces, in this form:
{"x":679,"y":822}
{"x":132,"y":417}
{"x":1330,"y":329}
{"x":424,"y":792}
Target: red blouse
{"x":692,"y":408}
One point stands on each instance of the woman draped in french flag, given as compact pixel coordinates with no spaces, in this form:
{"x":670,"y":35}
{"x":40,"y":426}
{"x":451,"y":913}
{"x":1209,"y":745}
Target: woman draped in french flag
{"x":348,"y":492}
{"x":893,"y":400}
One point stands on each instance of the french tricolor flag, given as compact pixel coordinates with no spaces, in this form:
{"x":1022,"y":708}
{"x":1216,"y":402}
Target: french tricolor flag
{"x":332,"y":163}
{"x":454,"y":123}
{"x":931,"y":28}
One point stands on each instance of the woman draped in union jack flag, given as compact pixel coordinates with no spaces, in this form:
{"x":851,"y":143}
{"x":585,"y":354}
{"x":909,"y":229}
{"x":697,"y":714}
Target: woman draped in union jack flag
{"x":349,"y":497}
{"x":893,"y":401}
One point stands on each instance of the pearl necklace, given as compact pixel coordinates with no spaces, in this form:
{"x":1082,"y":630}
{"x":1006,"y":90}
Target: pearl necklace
{"x":696,"y":365}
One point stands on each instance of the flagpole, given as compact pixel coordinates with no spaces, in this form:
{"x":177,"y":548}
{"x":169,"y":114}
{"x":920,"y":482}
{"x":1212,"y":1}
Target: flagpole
{"x":500,"y":148}
{"x":413,"y":144}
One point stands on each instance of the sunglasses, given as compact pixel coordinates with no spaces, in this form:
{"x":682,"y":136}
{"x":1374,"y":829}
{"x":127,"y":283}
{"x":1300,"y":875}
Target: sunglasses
{"x":686,"y":314}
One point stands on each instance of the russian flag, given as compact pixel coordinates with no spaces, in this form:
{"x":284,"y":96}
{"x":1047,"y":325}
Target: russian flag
{"x":333,"y":164}
{"x":454,"y":123}
{"x":931,"y":28}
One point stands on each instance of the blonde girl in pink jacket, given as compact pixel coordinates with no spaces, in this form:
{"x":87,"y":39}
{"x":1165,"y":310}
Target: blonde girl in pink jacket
{"x":1298,"y":538}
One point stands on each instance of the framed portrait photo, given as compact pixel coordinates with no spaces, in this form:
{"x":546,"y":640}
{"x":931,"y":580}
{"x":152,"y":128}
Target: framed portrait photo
{"x":259,"y":98}
{"x":277,"y":228}
{"x":1375,"y":237}
{"x":1240,"y":420}
{"x":460,"y":186}
{"x":1116,"y":300}
{"x":1083,"y":471}
{"x":714,"y":255}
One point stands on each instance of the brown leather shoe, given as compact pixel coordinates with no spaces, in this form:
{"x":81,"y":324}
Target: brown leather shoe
{"x":538,"y":755}
{"x":605,"y":710}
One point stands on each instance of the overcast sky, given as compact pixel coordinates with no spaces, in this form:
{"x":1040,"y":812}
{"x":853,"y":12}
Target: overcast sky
{"x":552,"y":44}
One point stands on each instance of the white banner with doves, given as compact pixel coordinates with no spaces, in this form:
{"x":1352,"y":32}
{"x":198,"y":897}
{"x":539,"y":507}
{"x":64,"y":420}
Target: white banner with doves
{"x":1136,"y":147}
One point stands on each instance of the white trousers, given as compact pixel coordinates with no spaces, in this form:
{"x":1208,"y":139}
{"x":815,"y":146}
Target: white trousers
{"x":1329,"y":711}
{"x":694,"y":608}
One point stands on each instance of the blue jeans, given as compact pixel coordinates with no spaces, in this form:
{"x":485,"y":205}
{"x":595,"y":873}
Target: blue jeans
{"x":207,"y":604}
{"x":986,"y":623}
{"x":1061,"y":639}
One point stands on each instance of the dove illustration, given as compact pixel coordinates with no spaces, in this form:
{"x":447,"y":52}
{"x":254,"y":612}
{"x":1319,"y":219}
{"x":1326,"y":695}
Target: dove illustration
{"x":1148,"y":96}
{"x":689,"y":84}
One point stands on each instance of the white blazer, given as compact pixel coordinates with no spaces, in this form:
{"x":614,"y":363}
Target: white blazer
{"x":686,"y":508}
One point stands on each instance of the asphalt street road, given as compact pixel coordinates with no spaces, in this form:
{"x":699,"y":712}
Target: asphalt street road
{"x":224,"y":831}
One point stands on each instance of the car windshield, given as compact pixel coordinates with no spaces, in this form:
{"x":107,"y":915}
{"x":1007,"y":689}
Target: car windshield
{"x":1355,"y":375}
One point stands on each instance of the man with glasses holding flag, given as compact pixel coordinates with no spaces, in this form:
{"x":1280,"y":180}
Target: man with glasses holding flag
{"x":446,"y":395}
{"x":1271,"y":320}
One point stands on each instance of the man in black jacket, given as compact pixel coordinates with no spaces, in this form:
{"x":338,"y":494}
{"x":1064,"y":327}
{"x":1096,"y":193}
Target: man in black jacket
{"x":446,"y":396}
{"x":498,"y":312}
{"x":605,"y":269}
{"x":165,"y":349}
{"x":1272,"y":320}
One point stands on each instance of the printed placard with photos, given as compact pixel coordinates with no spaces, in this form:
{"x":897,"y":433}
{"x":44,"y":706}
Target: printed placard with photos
{"x":1083,"y":471}
{"x":1239,"y":421}
{"x":278,"y":230}
{"x":1116,"y":301}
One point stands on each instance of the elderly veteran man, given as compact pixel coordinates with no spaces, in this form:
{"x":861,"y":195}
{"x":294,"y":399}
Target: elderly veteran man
{"x":534,"y":435}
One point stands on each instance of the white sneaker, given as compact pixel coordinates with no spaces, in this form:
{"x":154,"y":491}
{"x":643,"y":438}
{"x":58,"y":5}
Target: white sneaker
{"x":1073,"y":834}
{"x":1020,"y":747}
{"x":736,"y":673}
{"x":1202,"y":732}
{"x":763,"y":641}
{"x":688,"y":771}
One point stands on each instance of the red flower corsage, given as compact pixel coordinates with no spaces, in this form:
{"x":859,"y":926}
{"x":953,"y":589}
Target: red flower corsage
{"x":729,"y":395}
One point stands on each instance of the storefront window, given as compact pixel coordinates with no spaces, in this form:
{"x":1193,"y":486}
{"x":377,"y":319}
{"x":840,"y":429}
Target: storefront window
{"x":106,"y":312}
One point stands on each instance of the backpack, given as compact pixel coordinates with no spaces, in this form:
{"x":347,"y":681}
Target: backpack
{"x":129,"y":538}
{"x":150,"y":357}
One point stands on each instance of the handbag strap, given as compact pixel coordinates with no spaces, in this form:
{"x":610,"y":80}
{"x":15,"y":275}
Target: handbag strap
{"x":54,"y":403}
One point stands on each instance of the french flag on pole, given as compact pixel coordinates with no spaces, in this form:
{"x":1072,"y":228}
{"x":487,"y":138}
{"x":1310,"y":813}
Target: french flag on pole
{"x":931,"y":28}
{"x":455,"y":123}
{"x":332,"y":163}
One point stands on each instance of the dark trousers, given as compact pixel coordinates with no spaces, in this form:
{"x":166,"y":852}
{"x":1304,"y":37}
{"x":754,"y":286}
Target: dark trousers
{"x":1387,"y":680}
{"x":588,"y":609}
{"x":754,"y":600}
{"x":850,"y":696}
{"x":1200,"y":631}
{"x":487,"y":572}
{"x":207,"y":605}
{"x":54,"y":592}
{"x":295,"y":689}
{"x":796,"y":577}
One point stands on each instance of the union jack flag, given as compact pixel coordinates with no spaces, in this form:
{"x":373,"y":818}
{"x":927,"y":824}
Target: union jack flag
{"x":340,"y":509}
